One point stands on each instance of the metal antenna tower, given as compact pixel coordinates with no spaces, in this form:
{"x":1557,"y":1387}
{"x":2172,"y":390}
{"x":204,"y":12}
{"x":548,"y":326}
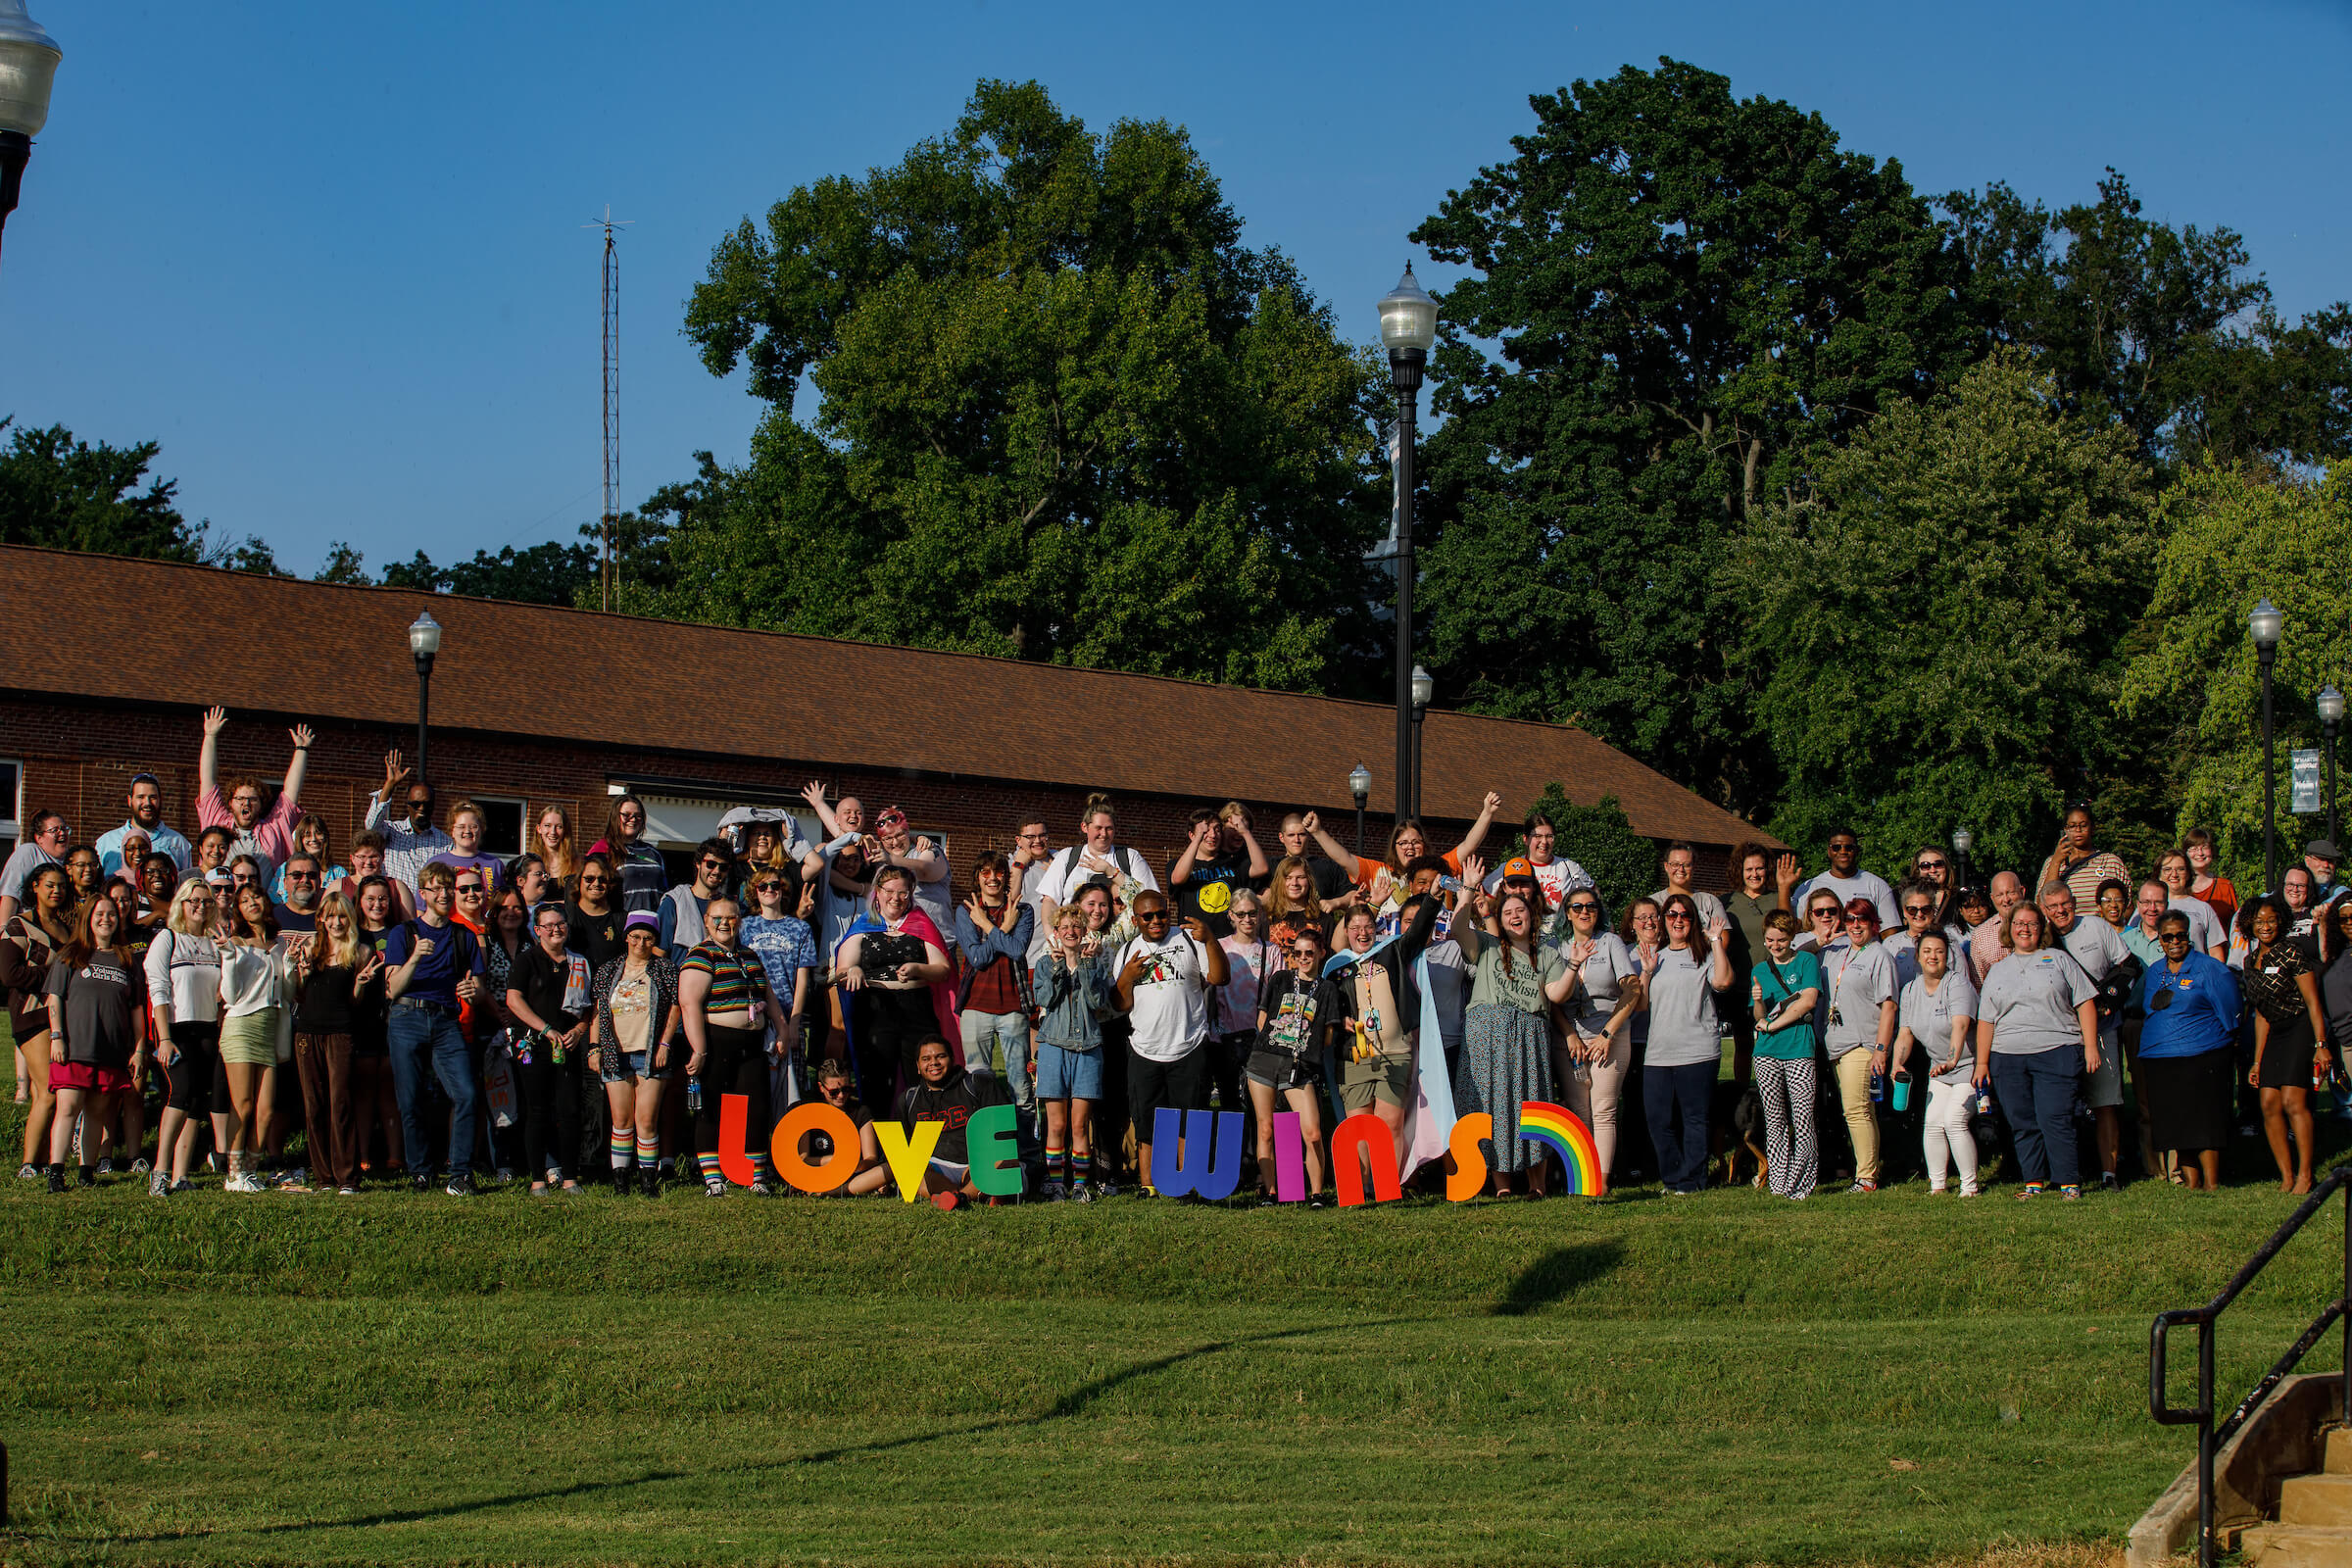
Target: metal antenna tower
{"x":608,"y":568}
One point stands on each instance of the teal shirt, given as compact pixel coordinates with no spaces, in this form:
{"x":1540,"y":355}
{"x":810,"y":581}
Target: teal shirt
{"x":1777,"y":985}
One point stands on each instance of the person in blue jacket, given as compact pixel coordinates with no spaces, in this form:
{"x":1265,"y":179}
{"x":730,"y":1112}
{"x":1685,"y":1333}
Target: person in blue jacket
{"x":2185,"y":1051}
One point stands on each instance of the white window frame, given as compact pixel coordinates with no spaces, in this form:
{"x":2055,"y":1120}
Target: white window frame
{"x":12,"y":826}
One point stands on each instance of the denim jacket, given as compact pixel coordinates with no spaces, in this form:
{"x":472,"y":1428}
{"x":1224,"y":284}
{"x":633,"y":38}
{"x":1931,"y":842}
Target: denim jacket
{"x":1070,"y":998}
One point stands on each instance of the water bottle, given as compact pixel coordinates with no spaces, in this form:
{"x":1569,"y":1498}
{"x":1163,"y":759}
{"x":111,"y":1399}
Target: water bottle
{"x":694,"y":1096}
{"x":1902,"y":1089}
{"x":1878,"y":1085}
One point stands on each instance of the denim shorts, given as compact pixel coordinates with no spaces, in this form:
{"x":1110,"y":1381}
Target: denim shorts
{"x":619,"y":1067}
{"x":1065,"y":1074}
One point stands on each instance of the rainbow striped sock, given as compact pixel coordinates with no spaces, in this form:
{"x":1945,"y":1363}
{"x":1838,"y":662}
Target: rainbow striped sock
{"x":624,"y":1143}
{"x":649,"y":1151}
{"x":1081,"y":1167}
{"x":760,"y":1166}
{"x":710,"y":1164}
{"x":1058,"y":1163}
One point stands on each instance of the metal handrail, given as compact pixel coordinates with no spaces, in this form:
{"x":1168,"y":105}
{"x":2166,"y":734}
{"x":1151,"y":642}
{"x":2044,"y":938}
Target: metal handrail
{"x":2210,"y":1437}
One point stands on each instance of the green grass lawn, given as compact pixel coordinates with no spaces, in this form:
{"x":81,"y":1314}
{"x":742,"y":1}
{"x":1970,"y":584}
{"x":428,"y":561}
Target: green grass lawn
{"x":1726,"y":1379}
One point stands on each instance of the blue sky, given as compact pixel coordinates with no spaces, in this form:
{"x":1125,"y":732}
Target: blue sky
{"x":331,"y":256}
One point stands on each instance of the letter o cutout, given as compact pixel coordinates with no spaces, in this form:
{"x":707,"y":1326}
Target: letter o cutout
{"x":815,"y":1116}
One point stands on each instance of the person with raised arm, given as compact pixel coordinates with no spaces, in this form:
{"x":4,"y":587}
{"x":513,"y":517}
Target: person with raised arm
{"x":267,"y":836}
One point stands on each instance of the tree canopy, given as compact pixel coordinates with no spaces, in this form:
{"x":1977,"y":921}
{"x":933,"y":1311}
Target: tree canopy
{"x":1677,"y":301}
{"x":1938,"y":623}
{"x":1064,"y":412}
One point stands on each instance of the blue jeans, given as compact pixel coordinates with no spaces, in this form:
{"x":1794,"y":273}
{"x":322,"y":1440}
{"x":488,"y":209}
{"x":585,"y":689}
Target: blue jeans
{"x":981,"y":1033}
{"x":2037,"y":1096}
{"x":428,"y":1042}
{"x":1676,"y":1101}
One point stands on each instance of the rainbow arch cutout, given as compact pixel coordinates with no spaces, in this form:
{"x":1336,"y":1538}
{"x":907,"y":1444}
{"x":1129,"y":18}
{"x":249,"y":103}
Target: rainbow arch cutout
{"x":1558,"y":1128}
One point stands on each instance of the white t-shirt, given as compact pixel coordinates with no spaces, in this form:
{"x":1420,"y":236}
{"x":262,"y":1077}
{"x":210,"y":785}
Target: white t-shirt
{"x":1237,"y":998}
{"x":1861,"y":885}
{"x":1930,"y":1018}
{"x":1058,"y":876}
{"x":1170,"y":1017}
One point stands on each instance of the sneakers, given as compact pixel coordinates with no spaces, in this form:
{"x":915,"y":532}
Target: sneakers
{"x":299,"y":1178}
{"x":28,"y":1173}
{"x":1052,"y":1192}
{"x":347,"y":1192}
{"x":158,"y":1185}
{"x":243,"y":1182}
{"x":461,"y":1185}
{"x":714,"y":1187}
{"x":105,"y":1167}
{"x":422,"y":1182}
{"x":505,"y":1173}
{"x":1862,"y":1184}
{"x":1970,"y":1190}
{"x":139,"y":1167}
{"x":183,"y":1185}
{"x":2030,"y":1189}
{"x":57,"y":1178}
{"x":1082,"y":1191}
{"x":1319,"y":1199}
{"x":2108,"y":1183}
{"x":2070,"y":1194}
{"x":763,"y":1189}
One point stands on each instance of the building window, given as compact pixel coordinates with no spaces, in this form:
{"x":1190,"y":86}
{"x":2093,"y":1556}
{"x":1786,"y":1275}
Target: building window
{"x":12,"y":805}
{"x":502,"y":825}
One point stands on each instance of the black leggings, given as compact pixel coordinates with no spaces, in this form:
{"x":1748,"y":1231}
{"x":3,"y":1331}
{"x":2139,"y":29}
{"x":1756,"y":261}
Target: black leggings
{"x":891,"y":1027}
{"x":195,"y":1067}
{"x":734,"y":1062}
{"x":551,"y":1111}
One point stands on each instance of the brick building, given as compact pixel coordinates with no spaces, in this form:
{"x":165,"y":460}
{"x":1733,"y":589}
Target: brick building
{"x":531,"y":706}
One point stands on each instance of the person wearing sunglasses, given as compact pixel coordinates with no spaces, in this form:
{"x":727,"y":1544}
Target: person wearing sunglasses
{"x":683,"y":908}
{"x":837,"y":1088}
{"x":1164,"y":979}
{"x":2207,"y":928}
{"x":787,"y":949}
{"x":2186,"y":1043}
{"x":1590,"y":1065}
{"x":404,"y":819}
{"x":1846,"y":878}
{"x":1859,"y":980}
{"x":1920,"y":902}
{"x":1686,"y":1051}
{"x":1301,"y":1016}
{"x":1825,"y":927}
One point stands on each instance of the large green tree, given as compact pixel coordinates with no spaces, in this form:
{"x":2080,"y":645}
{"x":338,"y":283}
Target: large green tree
{"x":1679,"y":302}
{"x":2162,"y":329}
{"x":2234,"y":535}
{"x":65,"y":494}
{"x":1938,"y":621}
{"x":1064,"y":414}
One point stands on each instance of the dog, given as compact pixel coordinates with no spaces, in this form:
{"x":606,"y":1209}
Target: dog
{"x":1736,"y":1127}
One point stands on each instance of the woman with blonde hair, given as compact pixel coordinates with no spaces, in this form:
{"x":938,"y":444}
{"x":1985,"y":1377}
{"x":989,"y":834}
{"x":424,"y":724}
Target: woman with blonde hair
{"x":183,"y":986}
{"x":1292,"y":900}
{"x":330,"y":973}
{"x":557,"y":849}
{"x":310,"y":838}
{"x":256,"y":1029}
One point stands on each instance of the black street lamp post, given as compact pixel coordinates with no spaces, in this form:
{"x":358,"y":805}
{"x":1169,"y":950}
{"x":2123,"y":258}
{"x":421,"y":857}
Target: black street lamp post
{"x":1963,"y":840}
{"x":2332,"y":719}
{"x":424,"y":642}
{"x":2264,"y":624}
{"x":28,"y":60}
{"x":1408,"y":330}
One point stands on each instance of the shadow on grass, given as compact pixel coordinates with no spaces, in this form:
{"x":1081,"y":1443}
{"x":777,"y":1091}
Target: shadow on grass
{"x":1558,"y":1273}
{"x":1075,"y":1402}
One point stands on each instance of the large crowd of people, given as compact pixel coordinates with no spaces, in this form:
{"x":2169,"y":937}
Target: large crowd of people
{"x":416,"y":1010}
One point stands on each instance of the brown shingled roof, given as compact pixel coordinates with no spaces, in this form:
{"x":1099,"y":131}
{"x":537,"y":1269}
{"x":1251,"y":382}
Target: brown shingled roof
{"x":342,"y":653}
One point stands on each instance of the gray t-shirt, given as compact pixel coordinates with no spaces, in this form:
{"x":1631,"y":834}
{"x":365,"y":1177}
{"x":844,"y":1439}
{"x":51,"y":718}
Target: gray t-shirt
{"x":2205,"y":929}
{"x":1448,"y":989}
{"x":1711,"y":913}
{"x":1684,"y":1029}
{"x":26,"y":859}
{"x":2029,"y":999}
{"x":1930,"y":1018}
{"x":1599,"y":983}
{"x":1859,"y":981}
{"x":2099,"y":947}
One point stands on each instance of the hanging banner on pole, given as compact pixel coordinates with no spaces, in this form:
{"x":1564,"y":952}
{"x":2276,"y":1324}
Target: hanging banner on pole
{"x":2304,"y":768}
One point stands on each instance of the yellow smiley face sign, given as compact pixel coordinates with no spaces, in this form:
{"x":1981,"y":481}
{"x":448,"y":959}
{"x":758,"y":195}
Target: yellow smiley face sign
{"x":1216,"y":898}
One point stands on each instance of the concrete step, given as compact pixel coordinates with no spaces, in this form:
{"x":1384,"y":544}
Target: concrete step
{"x":2322,"y":1500}
{"x":2339,"y":1451}
{"x":2295,"y":1546}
